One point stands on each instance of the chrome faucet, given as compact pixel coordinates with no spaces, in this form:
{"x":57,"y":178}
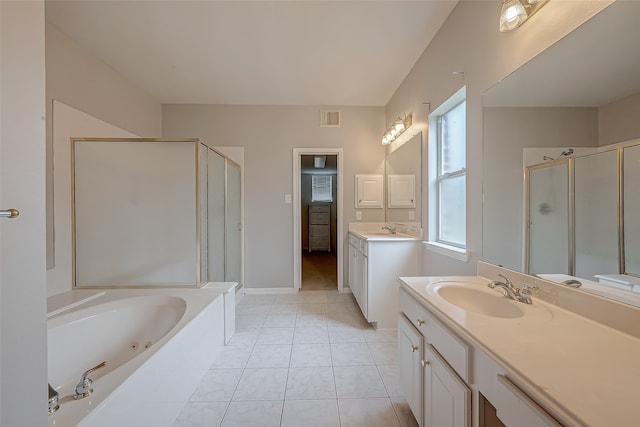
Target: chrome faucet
{"x":392,"y":230}
{"x":83,"y":388}
{"x":521,"y":295}
{"x":53,"y":400}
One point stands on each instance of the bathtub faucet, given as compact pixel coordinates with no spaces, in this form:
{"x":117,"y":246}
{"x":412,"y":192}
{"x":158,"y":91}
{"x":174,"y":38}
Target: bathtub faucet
{"x":53,"y":400}
{"x":83,"y":388}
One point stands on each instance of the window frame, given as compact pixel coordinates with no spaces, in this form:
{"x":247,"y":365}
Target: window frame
{"x":436,"y":178}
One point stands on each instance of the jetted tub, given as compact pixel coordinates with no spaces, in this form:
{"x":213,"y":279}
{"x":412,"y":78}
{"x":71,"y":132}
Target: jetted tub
{"x":157,"y":344}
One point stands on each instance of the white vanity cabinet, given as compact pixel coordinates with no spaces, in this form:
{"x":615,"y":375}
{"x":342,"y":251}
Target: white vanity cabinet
{"x":411,"y":345}
{"x":435,"y":391}
{"x":374,"y":266}
{"x":439,"y":369}
{"x":358,"y":266}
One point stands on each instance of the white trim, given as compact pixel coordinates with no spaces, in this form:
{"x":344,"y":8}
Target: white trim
{"x":432,"y":182}
{"x":450,"y":251}
{"x":297,"y":206}
{"x":268,"y":291}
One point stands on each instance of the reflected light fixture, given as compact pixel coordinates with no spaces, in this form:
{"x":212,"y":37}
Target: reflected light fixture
{"x":515,"y":12}
{"x":395,"y":130}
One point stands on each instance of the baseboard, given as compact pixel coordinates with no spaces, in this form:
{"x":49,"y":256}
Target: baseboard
{"x":268,"y":291}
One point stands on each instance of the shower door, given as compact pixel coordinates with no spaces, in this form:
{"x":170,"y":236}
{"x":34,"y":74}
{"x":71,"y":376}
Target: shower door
{"x":233,"y":224}
{"x":548,"y":231}
{"x":631,"y":225}
{"x":596,"y":214}
{"x":216,"y":216}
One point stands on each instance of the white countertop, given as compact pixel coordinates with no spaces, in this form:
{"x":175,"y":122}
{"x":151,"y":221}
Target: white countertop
{"x":590,"y":370}
{"x":383,"y":236}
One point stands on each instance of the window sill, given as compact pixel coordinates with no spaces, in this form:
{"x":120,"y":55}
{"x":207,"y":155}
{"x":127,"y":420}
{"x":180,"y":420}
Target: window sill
{"x":450,"y":251}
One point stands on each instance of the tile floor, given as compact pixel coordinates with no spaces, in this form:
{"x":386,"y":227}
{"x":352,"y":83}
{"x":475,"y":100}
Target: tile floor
{"x":301,"y":360}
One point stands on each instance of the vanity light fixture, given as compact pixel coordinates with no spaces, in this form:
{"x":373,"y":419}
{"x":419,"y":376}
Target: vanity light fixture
{"x":395,"y":130}
{"x":515,"y":12}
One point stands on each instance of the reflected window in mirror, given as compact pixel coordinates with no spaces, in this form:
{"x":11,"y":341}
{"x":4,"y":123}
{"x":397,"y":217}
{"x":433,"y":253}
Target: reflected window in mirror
{"x":447,"y":207}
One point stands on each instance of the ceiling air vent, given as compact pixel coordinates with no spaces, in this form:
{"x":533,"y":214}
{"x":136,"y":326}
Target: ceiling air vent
{"x":329,"y":118}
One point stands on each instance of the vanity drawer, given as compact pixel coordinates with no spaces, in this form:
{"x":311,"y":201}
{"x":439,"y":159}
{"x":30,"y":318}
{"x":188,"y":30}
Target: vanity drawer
{"x":364,"y":246}
{"x":354,"y":241}
{"x":452,"y":348}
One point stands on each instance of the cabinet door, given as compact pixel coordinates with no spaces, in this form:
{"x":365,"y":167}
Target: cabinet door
{"x":411,"y":352}
{"x":355,"y":276}
{"x":447,"y":399}
{"x":363,"y":284}
{"x":353,"y":265}
{"x":369,"y":192}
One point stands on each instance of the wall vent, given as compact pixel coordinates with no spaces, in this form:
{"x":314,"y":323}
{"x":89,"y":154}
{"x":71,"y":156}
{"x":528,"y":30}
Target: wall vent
{"x":329,"y":118}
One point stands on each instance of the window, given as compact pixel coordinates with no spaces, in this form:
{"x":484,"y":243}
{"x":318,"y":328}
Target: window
{"x":321,"y":189}
{"x":448,"y":217}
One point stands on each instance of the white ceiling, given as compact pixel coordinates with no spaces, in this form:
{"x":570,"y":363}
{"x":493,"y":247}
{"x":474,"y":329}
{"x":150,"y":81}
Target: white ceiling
{"x":594,"y":65}
{"x":263,"y":52}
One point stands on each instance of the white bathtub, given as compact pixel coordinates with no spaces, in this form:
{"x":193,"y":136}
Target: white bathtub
{"x":157,"y":344}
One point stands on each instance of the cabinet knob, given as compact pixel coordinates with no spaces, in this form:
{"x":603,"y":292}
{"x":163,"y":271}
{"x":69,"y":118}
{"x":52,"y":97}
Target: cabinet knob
{"x":414,"y":348}
{"x":424,"y":363}
{"x":420,"y":322}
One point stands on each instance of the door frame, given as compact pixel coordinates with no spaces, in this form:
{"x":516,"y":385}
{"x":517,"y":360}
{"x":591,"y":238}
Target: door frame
{"x":297,"y":214}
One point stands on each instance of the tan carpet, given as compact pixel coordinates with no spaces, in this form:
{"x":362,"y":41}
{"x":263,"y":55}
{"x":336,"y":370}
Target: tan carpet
{"x":319,"y":270}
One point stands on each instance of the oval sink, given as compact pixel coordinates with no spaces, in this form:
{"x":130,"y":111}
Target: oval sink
{"x":479,"y":301}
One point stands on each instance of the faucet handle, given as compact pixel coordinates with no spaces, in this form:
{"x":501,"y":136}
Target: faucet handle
{"x":507,"y":281}
{"x":529,"y":289}
{"x":83,"y":388}
{"x":54,"y":399}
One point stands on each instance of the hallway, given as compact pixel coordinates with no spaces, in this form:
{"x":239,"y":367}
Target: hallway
{"x":319,"y":271}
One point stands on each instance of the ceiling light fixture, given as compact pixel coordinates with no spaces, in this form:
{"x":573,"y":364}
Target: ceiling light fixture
{"x":319,"y":162}
{"x":395,"y":130}
{"x":515,"y":12}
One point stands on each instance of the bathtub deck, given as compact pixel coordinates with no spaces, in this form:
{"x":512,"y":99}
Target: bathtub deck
{"x":301,"y":359}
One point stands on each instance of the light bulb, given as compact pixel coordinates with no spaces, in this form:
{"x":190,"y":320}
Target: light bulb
{"x":399,"y":126}
{"x":512,"y":15}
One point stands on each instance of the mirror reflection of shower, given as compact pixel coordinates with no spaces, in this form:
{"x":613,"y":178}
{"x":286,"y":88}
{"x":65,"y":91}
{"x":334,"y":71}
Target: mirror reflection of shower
{"x":565,"y":153}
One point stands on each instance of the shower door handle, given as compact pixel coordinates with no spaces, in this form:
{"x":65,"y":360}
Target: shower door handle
{"x":9,"y":213}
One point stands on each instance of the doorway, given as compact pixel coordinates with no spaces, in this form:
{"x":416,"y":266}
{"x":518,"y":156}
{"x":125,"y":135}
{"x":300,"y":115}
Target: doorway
{"x":318,"y":219}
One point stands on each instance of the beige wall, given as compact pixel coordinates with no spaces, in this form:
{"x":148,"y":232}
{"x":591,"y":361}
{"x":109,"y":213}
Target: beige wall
{"x":469,"y":41}
{"x":84,"y":82}
{"x":269,"y":134}
{"x":618,"y":121}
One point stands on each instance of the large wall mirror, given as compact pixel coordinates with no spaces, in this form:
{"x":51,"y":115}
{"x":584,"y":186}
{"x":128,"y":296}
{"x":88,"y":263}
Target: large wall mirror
{"x":403,"y":178}
{"x":583,"y":93}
